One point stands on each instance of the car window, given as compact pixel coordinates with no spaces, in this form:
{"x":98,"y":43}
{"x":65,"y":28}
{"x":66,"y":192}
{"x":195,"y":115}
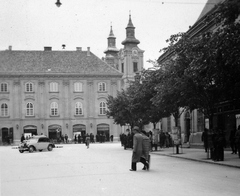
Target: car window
{"x":41,"y":139}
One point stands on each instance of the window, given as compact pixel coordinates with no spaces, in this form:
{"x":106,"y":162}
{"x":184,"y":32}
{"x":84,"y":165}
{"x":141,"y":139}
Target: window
{"x":30,"y":111}
{"x":135,"y":67}
{"x":4,"y":109}
{"x":54,"y":109}
{"x":78,"y":87}
{"x":29,"y":87}
{"x":122,"y":67}
{"x":78,"y":108}
{"x":53,"y":87}
{"x":102,"y":86}
{"x":103,"y":108}
{"x":4,"y":87}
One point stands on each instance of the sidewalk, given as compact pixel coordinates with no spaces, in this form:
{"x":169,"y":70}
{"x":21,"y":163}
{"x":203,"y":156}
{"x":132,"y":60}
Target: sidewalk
{"x":194,"y":154}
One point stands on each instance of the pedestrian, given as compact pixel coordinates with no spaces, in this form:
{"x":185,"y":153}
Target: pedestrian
{"x":75,"y":138}
{"x":232,"y":141}
{"x":79,"y":138}
{"x":220,"y":144}
{"x":205,"y":139}
{"x":162,"y":139}
{"x":22,"y":138}
{"x":145,"y":158}
{"x":167,"y":139}
{"x":137,"y":148}
{"x":237,"y":140}
{"x":111,"y":138}
{"x":87,"y":140}
{"x":66,"y":138}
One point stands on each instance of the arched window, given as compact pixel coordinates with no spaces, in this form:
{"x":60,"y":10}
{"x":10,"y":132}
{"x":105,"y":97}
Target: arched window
{"x":54,"y":109}
{"x":4,"y":87}
{"x":53,"y":87}
{"x":78,"y":87}
{"x":29,"y":87}
{"x":102,"y":86}
{"x":78,"y":108}
{"x":102,"y":108}
{"x":4,"y":109}
{"x":30,"y":109}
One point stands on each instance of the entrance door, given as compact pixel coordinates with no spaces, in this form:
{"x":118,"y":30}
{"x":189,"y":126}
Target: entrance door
{"x":103,"y":132}
{"x":29,"y":130}
{"x":5,"y":135}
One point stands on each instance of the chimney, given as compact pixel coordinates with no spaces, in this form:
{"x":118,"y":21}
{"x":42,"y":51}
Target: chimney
{"x":10,"y":48}
{"x":88,"y":51}
{"x":47,"y":48}
{"x":79,"y":49}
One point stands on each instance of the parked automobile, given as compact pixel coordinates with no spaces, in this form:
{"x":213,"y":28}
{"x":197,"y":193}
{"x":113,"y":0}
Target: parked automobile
{"x":36,"y":143}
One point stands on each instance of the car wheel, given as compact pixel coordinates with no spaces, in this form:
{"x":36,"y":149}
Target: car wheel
{"x":21,"y":151}
{"x":31,"y":149}
{"x":50,"y":147}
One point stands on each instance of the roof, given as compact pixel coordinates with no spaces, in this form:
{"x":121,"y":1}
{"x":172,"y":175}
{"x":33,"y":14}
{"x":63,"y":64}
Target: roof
{"x":208,"y":7}
{"x":54,"y":62}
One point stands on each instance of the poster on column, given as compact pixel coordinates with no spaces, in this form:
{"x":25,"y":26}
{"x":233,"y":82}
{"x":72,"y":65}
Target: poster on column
{"x":176,"y":135}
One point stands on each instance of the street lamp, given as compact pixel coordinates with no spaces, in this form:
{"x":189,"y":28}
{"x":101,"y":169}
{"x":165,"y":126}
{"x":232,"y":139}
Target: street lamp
{"x":58,"y":3}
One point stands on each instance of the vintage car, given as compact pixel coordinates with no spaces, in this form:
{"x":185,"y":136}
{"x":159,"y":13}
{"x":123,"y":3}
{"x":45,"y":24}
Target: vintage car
{"x":36,"y":143}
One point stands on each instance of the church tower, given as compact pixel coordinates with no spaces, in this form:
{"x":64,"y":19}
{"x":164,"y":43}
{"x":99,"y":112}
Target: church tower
{"x":111,"y":51}
{"x":131,"y":56}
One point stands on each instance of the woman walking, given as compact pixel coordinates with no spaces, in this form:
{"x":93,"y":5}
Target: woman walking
{"x":87,"y":140}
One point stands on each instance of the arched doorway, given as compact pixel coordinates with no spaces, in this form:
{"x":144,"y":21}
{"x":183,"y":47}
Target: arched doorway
{"x":187,"y":126}
{"x":29,"y":131}
{"x":103,"y":130}
{"x":79,"y":129}
{"x":54,"y":133}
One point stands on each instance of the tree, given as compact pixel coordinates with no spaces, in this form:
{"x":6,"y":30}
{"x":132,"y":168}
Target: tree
{"x":205,"y":70}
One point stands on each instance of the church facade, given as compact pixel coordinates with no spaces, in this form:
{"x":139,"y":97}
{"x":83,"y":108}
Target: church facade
{"x":64,"y":92}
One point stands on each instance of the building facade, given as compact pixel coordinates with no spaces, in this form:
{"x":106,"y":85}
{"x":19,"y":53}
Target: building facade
{"x":129,"y":59}
{"x":55,"y":93}
{"x":59,"y":93}
{"x":193,"y":123}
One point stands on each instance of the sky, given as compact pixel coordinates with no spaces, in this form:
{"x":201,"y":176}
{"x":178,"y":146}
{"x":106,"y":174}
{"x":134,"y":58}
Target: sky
{"x":33,"y":24}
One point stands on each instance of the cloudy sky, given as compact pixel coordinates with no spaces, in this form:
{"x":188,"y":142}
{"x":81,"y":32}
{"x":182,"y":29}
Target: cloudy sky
{"x":33,"y":24}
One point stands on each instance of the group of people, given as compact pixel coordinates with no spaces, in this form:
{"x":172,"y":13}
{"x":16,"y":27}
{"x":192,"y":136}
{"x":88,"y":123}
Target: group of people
{"x":162,"y":139}
{"x":141,"y":149}
{"x":215,"y":142}
{"x":78,"y":138}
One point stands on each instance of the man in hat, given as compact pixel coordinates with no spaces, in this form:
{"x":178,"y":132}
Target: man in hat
{"x":137,"y":148}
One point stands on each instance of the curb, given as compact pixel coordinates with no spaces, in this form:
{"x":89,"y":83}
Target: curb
{"x":197,"y":160}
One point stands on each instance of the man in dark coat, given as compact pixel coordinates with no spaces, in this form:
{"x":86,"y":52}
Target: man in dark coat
{"x":145,"y":158}
{"x":137,"y":148}
{"x":205,"y":139}
{"x":22,"y":138}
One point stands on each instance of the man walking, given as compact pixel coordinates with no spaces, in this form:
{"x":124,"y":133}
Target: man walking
{"x":145,"y":158}
{"x":137,"y":148}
